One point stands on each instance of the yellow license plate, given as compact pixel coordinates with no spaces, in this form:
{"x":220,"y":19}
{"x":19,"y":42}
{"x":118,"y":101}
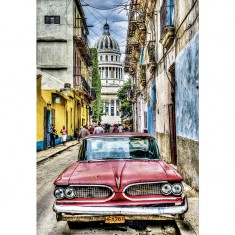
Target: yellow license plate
{"x":114,"y":219}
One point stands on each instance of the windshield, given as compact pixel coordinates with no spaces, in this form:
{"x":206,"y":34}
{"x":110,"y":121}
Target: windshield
{"x":120,"y":148}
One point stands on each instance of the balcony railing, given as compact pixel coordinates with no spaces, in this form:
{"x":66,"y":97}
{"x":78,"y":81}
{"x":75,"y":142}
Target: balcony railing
{"x":82,"y":43}
{"x":83,"y":87}
{"x":92,"y":94}
{"x":166,"y":23}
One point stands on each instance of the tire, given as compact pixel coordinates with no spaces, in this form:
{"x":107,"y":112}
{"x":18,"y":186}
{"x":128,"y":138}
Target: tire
{"x":73,"y":225}
{"x":181,"y":216}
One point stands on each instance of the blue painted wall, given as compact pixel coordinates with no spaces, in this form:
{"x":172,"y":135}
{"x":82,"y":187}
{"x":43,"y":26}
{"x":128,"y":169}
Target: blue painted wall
{"x":151,"y":123}
{"x":187,"y":90}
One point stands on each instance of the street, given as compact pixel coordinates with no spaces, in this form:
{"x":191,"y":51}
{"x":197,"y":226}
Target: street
{"x":47,"y":171}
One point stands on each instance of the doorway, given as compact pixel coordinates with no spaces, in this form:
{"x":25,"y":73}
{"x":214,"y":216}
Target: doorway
{"x":171,"y":111}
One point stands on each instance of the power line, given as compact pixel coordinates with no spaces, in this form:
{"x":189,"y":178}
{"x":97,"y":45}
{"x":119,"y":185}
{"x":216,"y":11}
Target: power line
{"x":100,"y":8}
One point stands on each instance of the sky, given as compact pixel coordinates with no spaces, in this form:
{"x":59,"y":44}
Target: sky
{"x":96,"y":14}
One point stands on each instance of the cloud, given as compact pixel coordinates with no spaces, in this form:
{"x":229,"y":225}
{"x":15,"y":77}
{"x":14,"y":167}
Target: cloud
{"x":116,"y":18}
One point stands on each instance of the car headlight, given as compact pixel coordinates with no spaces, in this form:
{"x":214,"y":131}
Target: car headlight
{"x":59,"y":193}
{"x":177,"y":188}
{"x":166,"y":189}
{"x":70,"y":192}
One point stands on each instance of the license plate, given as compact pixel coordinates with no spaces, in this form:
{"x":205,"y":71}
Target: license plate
{"x":114,"y":219}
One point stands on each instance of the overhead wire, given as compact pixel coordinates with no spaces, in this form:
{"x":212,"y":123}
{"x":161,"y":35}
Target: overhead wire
{"x":106,"y":9}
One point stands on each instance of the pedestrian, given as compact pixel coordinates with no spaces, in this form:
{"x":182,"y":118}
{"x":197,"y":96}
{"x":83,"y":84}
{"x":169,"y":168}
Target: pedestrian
{"x":115,"y":129}
{"x":91,"y":129}
{"x":111,"y":128}
{"x":120,"y":128}
{"x":83,"y":132}
{"x":64,"y":135}
{"x":99,"y":129}
{"x":53,"y":135}
{"x":76,"y":135}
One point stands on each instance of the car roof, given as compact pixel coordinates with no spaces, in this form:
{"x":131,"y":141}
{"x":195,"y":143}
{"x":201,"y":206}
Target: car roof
{"x":120,"y":134}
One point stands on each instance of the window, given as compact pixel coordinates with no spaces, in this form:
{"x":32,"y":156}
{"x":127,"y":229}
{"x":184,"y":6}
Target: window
{"x":101,"y":58}
{"x":166,"y":15}
{"x":52,"y":19}
{"x":112,"y":111}
{"x":145,"y":120}
{"x":106,"y":58}
{"x":111,"y":58}
{"x":53,"y":116}
{"x":107,"y":110}
{"x":119,"y":148}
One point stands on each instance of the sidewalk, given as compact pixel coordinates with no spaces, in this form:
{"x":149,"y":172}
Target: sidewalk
{"x":50,"y":152}
{"x":189,"y":226}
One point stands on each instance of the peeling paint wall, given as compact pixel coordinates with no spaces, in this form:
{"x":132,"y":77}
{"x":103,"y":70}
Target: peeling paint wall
{"x":187,"y":75}
{"x":187,"y":111}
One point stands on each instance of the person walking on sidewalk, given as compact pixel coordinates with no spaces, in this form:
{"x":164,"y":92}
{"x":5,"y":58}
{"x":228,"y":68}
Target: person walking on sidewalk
{"x":64,"y":135}
{"x":83,"y":132}
{"x":91,"y":129}
{"x":99,"y":129}
{"x":53,"y":134}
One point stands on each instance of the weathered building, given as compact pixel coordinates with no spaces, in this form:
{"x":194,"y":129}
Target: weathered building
{"x":111,"y":75}
{"x":162,"y":59}
{"x":64,"y":65}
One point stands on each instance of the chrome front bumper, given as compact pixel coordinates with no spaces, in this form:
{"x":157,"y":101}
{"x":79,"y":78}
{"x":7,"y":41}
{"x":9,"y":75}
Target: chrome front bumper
{"x":80,"y":211}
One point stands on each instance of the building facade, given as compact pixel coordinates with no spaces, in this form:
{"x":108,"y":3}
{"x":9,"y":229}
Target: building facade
{"x":63,"y":68}
{"x":111,"y":76}
{"x":162,"y":60}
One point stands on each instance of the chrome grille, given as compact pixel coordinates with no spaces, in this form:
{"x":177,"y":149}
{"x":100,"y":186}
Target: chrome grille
{"x":93,"y":192}
{"x":144,"y":189}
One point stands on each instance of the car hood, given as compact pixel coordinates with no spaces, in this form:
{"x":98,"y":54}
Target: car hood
{"x":118,"y":173}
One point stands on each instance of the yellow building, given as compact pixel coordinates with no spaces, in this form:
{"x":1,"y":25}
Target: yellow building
{"x":64,"y":92}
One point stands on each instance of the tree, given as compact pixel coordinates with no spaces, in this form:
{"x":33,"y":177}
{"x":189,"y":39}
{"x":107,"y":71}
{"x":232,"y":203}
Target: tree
{"x":96,"y":85}
{"x":126,"y":105}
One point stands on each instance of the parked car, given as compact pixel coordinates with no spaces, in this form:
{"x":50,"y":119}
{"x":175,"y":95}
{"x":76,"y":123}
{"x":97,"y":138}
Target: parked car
{"x":118,"y":177}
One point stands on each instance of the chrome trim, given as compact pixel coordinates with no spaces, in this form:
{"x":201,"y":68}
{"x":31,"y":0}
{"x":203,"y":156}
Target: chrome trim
{"x":166,"y":193}
{"x":182,"y":188}
{"x":151,"y":182}
{"x":121,"y":210}
{"x":74,"y":191}
{"x":94,"y":185}
{"x":63,"y":192}
{"x":144,"y":199}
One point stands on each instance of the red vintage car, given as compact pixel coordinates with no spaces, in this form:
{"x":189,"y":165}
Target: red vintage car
{"x":118,"y":177}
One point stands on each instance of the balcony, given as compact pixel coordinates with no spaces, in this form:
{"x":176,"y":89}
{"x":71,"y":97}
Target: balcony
{"x":143,"y":75}
{"x":82,"y":44}
{"x":81,"y":84}
{"x":92,"y":94}
{"x":167,"y":28}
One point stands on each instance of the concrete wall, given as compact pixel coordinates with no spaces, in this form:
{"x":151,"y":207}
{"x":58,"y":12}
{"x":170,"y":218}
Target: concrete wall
{"x":55,"y":41}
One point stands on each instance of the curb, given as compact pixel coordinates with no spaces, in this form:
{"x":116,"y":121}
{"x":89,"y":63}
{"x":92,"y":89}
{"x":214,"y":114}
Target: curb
{"x":56,"y":152}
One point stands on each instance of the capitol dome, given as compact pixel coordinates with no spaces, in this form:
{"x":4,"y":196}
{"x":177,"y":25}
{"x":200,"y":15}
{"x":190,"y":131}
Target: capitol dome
{"x":107,"y":43}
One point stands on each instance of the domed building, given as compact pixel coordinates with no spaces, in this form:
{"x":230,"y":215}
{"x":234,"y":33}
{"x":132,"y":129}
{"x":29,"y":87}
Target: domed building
{"x":111,"y":75}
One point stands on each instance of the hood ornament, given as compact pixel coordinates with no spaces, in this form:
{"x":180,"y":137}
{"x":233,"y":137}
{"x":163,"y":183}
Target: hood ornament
{"x":118,"y":183}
